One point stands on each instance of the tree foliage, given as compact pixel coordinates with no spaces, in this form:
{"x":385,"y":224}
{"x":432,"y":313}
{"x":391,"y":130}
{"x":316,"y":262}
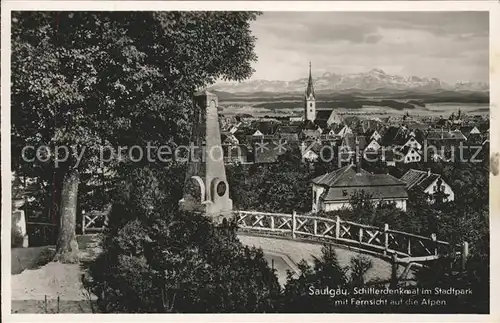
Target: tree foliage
{"x":88,"y":80}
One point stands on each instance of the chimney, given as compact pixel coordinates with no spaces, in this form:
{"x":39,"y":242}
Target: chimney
{"x":358,"y":165}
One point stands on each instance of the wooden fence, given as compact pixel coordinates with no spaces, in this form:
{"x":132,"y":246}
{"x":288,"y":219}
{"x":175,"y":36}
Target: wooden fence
{"x":94,"y":222}
{"x":384,"y":241}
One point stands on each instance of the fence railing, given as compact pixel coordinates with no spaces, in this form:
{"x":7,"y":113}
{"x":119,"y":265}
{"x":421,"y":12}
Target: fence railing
{"x":405,"y":246}
{"x":94,"y":221}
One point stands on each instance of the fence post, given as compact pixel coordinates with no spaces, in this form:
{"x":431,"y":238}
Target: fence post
{"x":294,"y":223}
{"x":434,"y":240}
{"x":337,"y":227}
{"x":315,"y":222}
{"x":272,"y":223}
{"x":386,"y":238}
{"x":83,"y":222}
{"x":464,"y":254}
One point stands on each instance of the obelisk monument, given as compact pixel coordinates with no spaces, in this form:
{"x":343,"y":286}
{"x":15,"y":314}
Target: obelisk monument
{"x":206,"y":189}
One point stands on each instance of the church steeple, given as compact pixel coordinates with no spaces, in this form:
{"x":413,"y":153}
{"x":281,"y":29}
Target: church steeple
{"x":310,"y":87}
{"x":310,"y":99}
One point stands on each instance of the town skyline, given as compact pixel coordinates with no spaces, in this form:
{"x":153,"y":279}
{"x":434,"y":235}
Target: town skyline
{"x":399,"y":43}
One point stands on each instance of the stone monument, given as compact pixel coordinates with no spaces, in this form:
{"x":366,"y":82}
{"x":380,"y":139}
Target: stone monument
{"x":206,"y":189}
{"x":18,"y":231}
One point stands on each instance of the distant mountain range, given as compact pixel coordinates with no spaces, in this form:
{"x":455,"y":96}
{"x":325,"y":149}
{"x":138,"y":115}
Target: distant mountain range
{"x":374,"y":80}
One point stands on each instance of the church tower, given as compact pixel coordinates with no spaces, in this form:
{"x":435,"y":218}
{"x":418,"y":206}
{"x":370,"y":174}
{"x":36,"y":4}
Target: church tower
{"x":310,"y":99}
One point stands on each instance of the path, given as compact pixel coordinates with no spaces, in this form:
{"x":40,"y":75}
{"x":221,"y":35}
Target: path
{"x":298,"y":250}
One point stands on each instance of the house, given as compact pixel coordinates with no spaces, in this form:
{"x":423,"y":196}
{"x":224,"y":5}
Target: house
{"x":310,"y":134}
{"x":327,"y":118}
{"x":412,"y":142}
{"x":332,"y":191}
{"x":394,"y":136}
{"x":264,"y":128}
{"x":458,"y":135}
{"x":234,"y":128}
{"x":445,"y":137}
{"x":475,"y":131}
{"x":310,"y":150}
{"x":428,"y":183}
{"x":287,"y":129}
{"x":373,"y":146}
{"x":408,"y":155}
{"x":257,"y":133}
{"x":289,"y":137}
{"x":388,"y":157}
{"x":370,"y":125}
{"x":344,"y":131}
{"x":350,"y":145}
{"x":331,"y":133}
{"x":375,"y":136}
{"x":228,"y":138}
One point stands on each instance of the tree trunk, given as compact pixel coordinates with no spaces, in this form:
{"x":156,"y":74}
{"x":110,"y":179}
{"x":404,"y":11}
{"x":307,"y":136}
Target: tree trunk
{"x":67,"y":247}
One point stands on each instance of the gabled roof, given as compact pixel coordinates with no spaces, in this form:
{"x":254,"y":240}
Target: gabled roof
{"x":288,"y":136}
{"x":373,"y":142}
{"x":266,"y":127}
{"x":413,"y":177}
{"x":475,"y":131}
{"x":438,"y":134}
{"x":311,"y":133}
{"x":323,"y":114}
{"x":288,"y":129}
{"x":309,"y":125}
{"x":395,"y":135}
{"x":427,"y":181}
{"x":347,"y":177}
{"x":419,"y":178}
{"x":457,"y":134}
{"x":344,"y":131}
{"x":343,"y":182}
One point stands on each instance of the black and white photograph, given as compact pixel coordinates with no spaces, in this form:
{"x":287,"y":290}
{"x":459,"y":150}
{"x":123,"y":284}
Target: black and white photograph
{"x":246,"y":161}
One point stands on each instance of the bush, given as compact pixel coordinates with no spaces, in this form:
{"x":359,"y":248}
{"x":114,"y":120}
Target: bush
{"x":359,"y":266}
{"x":157,"y":259}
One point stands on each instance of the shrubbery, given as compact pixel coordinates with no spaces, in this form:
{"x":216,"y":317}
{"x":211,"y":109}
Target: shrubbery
{"x":162,"y":260}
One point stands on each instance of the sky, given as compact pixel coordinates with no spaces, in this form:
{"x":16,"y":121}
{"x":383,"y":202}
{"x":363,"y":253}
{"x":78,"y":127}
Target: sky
{"x":452,"y":46}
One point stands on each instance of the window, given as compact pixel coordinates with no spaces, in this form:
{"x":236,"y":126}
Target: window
{"x":314,"y":196}
{"x":310,"y":105}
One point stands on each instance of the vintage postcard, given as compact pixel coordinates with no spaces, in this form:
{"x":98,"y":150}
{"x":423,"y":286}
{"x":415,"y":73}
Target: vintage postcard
{"x":260,"y":157}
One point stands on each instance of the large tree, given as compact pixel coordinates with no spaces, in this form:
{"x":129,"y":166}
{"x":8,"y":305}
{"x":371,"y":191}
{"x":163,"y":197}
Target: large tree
{"x":91,"y":79}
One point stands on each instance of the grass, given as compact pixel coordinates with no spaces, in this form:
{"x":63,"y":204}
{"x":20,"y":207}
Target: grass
{"x":39,"y":307}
